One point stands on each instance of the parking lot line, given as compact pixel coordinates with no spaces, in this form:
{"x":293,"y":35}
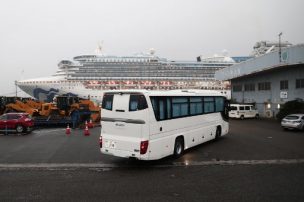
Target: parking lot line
{"x":73,"y":166}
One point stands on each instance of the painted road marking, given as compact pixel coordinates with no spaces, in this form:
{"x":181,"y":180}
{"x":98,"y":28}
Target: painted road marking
{"x":48,"y":130}
{"x":74,"y":166}
{"x":38,"y":133}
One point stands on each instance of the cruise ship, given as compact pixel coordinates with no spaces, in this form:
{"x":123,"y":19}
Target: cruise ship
{"x":87,"y":76}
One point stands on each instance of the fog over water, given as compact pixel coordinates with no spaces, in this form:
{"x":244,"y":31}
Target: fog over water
{"x":36,"y":34}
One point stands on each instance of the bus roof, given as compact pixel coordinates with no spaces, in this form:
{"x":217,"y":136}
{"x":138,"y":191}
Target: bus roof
{"x":241,"y":105}
{"x":194,"y":92}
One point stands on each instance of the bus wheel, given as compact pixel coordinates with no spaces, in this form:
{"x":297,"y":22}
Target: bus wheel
{"x":218,"y":132}
{"x":178,"y":147}
{"x":242,"y":117}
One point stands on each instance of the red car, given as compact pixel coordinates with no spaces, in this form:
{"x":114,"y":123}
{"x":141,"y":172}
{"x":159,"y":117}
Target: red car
{"x":16,"y":122}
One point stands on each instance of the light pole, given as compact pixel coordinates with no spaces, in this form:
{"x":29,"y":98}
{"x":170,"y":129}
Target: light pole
{"x":16,"y":88}
{"x":280,"y":34}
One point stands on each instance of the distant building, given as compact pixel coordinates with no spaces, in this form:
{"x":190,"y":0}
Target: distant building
{"x":268,"y":80}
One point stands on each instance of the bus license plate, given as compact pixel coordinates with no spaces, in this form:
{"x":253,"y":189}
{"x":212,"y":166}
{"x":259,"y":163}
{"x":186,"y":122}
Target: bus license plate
{"x":110,"y":144}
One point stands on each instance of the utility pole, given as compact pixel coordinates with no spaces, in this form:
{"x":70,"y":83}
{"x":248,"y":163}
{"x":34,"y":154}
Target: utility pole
{"x":280,"y":52}
{"x":16,"y":87}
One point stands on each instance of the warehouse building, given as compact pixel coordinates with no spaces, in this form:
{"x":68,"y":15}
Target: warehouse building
{"x":268,"y":80}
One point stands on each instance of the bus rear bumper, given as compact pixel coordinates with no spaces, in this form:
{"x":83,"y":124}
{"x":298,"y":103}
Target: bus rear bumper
{"x":124,"y":154}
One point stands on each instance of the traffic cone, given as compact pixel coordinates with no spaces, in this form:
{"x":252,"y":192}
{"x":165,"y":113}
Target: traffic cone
{"x":86,"y":131}
{"x":90,"y":124}
{"x":68,"y":130}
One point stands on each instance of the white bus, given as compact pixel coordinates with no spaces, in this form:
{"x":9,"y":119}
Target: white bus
{"x":150,"y":125}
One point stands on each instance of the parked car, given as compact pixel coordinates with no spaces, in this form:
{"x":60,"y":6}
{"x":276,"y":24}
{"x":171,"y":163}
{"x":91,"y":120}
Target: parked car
{"x":16,"y":122}
{"x":242,"y":111}
{"x":293,"y":121}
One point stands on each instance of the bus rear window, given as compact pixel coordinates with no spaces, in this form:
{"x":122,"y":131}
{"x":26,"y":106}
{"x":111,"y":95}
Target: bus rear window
{"x":137,"y":102}
{"x":107,"y":102}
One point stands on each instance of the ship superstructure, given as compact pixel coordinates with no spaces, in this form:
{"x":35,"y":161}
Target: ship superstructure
{"x":88,"y":75}
{"x":264,"y":47}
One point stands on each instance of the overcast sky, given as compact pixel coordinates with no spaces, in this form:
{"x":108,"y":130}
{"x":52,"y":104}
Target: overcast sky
{"x":36,"y":34}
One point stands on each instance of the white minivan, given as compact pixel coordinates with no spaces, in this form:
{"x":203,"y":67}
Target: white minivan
{"x":242,"y":111}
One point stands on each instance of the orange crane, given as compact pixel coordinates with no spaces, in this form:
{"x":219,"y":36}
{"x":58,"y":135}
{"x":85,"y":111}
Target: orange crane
{"x":34,"y":104}
{"x":19,"y":106}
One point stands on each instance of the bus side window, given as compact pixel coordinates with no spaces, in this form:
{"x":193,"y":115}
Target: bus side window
{"x":154,"y":101}
{"x":219,"y":104}
{"x":180,"y":107}
{"x":196,"y":105}
{"x":168,"y":108}
{"x":161,"y":109}
{"x":208,"y":104}
{"x":247,"y":108}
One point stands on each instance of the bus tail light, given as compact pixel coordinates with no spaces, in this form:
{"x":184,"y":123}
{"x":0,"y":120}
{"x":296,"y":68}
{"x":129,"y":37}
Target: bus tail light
{"x":144,"y":146}
{"x":100,"y":141}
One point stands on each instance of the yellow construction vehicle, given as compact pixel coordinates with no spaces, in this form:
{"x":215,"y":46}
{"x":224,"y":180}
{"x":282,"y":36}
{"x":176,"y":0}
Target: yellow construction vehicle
{"x":95,"y":110}
{"x":48,"y":109}
{"x":19,"y":106}
{"x":87,"y":109}
{"x":57,"y":113}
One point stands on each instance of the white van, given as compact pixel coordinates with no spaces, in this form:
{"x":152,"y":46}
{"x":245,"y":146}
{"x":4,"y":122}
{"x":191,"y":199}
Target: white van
{"x":242,"y":111}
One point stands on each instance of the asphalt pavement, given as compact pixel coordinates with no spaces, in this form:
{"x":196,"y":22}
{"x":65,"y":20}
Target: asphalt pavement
{"x":256,"y":161}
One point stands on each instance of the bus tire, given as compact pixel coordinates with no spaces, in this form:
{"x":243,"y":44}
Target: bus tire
{"x":242,"y":117}
{"x":178,"y":147}
{"x":218,"y":132}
